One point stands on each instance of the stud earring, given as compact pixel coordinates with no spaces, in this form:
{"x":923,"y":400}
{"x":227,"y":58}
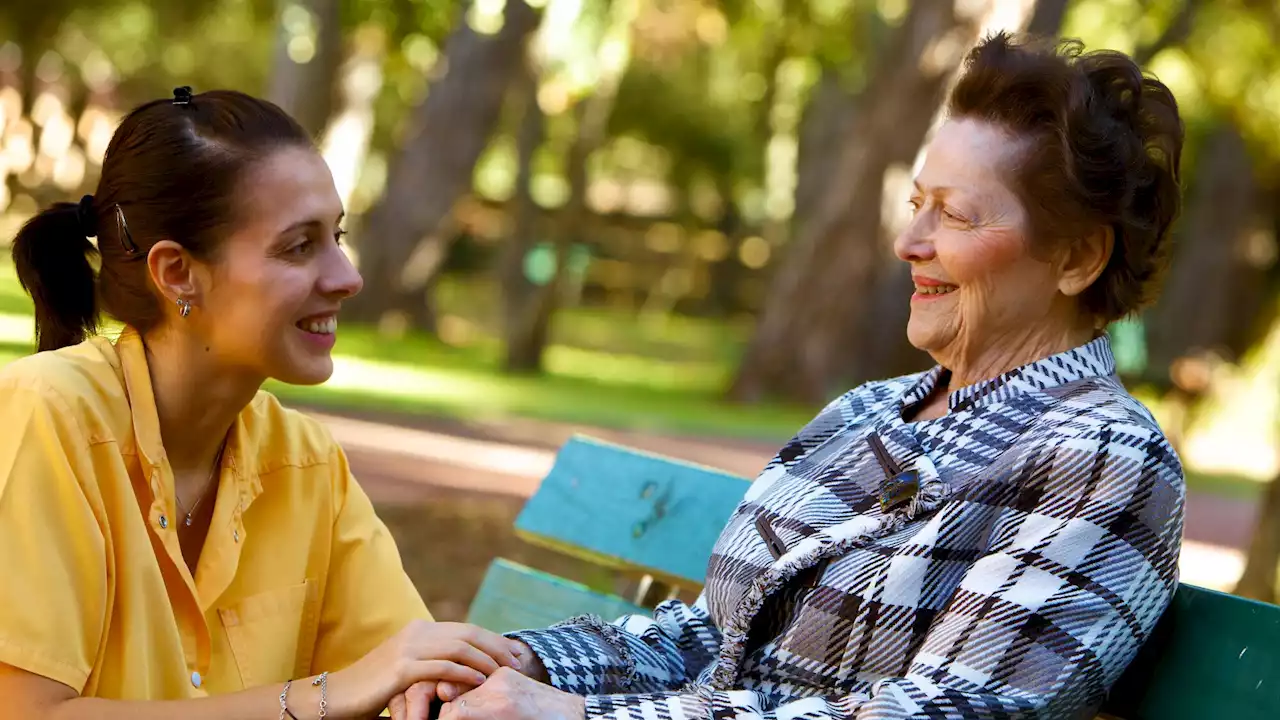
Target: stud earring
{"x":184,"y":307}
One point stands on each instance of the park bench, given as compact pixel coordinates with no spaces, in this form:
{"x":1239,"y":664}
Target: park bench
{"x":649,"y":523}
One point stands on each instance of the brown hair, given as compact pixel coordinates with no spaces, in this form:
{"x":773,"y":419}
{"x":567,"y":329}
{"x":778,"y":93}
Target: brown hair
{"x":1104,"y":147}
{"x":171,"y":171}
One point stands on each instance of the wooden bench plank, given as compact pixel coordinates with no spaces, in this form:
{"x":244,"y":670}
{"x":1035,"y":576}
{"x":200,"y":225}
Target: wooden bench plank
{"x":516,"y":597}
{"x":1212,"y":655}
{"x":628,"y":509}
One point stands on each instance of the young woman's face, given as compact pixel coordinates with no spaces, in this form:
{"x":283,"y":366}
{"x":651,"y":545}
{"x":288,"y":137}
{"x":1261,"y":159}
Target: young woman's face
{"x":276,"y":286}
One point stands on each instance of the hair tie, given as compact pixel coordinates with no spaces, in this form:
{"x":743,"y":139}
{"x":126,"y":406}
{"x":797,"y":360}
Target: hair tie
{"x":182,"y":95}
{"x":86,"y":218}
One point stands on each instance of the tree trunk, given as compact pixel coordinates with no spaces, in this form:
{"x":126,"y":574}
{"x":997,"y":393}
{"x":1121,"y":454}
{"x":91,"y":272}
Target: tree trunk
{"x":592,"y":119}
{"x":1261,"y":565}
{"x":1261,"y":577}
{"x":405,"y":237}
{"x":1048,"y":17}
{"x":534,"y":328}
{"x":798,"y":347}
{"x":307,"y":90}
{"x":523,"y":353}
{"x":1199,"y":309}
{"x":725,"y":275}
{"x":822,"y":125}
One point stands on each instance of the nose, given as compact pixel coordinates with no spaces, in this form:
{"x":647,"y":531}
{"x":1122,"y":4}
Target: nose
{"x":340,"y":279}
{"x":915,"y":243}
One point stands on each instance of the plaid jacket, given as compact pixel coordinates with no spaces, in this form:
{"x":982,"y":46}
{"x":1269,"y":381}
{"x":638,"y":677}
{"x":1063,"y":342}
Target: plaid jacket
{"x":1035,"y":556}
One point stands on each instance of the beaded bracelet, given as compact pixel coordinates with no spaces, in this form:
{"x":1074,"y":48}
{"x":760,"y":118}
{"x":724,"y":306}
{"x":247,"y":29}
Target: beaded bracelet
{"x":284,"y":707}
{"x":323,"y":682}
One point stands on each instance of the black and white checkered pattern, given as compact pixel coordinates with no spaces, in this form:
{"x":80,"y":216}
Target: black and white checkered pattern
{"x":1036,"y":558}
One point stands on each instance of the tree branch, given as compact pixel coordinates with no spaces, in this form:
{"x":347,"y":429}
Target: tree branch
{"x":1175,"y":34}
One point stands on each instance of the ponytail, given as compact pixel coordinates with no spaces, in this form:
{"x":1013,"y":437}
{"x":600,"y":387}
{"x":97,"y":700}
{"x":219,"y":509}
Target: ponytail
{"x":52,"y":256}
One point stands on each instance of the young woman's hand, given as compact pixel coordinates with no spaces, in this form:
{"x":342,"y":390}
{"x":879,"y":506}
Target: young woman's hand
{"x":421,"y":652}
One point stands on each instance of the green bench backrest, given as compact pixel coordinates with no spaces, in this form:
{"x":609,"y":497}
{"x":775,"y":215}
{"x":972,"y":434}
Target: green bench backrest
{"x":515,"y":597}
{"x":631,"y":510}
{"x":1212,"y":655}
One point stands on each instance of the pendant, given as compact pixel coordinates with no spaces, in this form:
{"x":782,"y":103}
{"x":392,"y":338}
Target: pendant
{"x":188,"y":522}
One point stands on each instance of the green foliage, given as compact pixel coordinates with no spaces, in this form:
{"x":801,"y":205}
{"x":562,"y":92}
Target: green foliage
{"x":1227,"y":66}
{"x":666,"y":112}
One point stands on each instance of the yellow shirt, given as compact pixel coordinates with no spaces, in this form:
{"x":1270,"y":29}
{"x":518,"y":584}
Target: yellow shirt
{"x":297,"y":575}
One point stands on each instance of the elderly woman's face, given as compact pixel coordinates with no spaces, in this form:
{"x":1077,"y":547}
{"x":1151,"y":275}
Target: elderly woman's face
{"x":977,"y":285}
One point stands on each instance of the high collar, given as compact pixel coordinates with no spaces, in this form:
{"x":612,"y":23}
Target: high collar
{"x":1090,"y":360}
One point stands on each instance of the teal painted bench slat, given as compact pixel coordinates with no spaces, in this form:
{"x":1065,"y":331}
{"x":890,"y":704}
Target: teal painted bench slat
{"x":1212,"y":655}
{"x":631,"y":510}
{"x":515,"y":597}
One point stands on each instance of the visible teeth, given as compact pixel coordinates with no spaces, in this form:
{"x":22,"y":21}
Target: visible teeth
{"x":328,"y":326}
{"x":934,"y":289}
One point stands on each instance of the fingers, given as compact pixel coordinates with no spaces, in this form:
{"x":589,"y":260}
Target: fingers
{"x":398,"y":707}
{"x":415,"y":703}
{"x":468,"y":707}
{"x":418,"y":700}
{"x":437,"y":670}
{"x":459,"y":651}
{"x":500,"y":649}
{"x":448,"y":691}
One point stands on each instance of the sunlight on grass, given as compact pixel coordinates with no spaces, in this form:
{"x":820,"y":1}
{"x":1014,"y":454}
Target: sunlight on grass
{"x":396,"y":380}
{"x":479,"y":393}
{"x":1238,"y":424}
{"x":17,"y":329}
{"x":617,"y":369}
{"x":12,"y":297}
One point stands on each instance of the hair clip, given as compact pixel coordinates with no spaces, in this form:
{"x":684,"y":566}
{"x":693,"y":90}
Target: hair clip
{"x":182,"y":95}
{"x":122,"y":229}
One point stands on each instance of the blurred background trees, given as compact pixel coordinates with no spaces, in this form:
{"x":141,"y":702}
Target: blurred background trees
{"x":681,"y":194}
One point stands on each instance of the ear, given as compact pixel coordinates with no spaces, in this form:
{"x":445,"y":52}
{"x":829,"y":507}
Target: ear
{"x":173,"y":271}
{"x":1084,"y":260}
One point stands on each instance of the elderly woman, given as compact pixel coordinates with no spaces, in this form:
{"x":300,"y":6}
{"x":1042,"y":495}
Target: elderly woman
{"x":994,"y":538}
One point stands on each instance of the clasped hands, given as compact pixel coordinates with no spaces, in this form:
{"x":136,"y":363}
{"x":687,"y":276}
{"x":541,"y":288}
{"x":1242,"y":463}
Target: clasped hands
{"x":514,"y":689}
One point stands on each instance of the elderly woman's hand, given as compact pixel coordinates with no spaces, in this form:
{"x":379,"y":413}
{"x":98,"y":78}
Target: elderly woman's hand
{"x":527,"y":662}
{"x":509,"y":695}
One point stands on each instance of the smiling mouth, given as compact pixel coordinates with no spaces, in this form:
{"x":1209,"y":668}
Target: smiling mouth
{"x":935,"y":289}
{"x":322,"y":326}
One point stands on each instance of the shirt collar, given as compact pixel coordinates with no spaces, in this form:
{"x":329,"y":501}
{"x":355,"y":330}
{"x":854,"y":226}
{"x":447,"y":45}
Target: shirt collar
{"x":1093,"y":359}
{"x":142,"y":401}
{"x":241,"y":443}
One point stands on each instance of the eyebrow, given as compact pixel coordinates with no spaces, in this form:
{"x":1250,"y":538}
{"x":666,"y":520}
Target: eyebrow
{"x":948,"y":189}
{"x":941,"y":188}
{"x":311,"y":223}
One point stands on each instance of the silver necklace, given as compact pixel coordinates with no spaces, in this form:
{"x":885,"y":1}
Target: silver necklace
{"x":209,"y":483}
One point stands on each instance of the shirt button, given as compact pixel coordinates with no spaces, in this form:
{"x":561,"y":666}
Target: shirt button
{"x":164,"y":522}
{"x":195,"y":679}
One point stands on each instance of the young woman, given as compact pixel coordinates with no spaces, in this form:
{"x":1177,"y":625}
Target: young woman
{"x":175,"y":543}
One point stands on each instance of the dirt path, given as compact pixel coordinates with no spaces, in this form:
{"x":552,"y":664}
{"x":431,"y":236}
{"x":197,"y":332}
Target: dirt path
{"x":487,"y":470}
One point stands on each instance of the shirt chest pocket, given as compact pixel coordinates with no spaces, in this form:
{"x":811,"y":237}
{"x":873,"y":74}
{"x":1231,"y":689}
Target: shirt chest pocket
{"x":272,"y":634}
